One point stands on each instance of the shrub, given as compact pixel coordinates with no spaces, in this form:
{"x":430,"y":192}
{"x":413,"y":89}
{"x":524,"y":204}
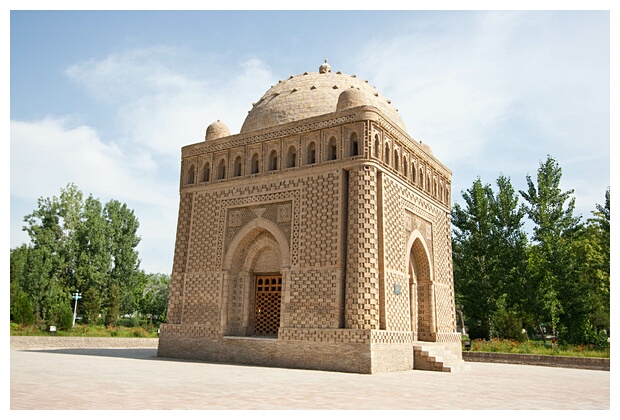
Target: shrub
{"x":21,"y":311}
{"x":507,"y":325}
{"x":61,"y":316}
{"x":128,"y":322}
{"x":140,"y":332}
{"x":477,"y":330}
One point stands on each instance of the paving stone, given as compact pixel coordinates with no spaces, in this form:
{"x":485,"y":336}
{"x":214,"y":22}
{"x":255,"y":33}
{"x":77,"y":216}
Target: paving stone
{"x":135,"y":378}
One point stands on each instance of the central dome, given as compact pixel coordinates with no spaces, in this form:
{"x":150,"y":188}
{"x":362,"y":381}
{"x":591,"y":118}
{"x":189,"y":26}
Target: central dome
{"x":310,"y":95}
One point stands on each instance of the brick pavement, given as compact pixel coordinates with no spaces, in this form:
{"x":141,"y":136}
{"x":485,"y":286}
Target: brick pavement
{"x":135,"y":378}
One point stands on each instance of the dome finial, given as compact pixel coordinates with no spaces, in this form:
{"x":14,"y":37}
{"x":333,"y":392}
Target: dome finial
{"x":325,"y":68}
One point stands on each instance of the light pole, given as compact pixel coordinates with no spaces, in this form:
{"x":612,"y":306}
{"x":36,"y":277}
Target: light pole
{"x":77,"y":295}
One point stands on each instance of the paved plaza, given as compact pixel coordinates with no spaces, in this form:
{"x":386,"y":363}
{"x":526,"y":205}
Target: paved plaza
{"x":124,"y":378}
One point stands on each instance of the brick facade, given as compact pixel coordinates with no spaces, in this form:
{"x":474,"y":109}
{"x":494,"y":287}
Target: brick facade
{"x":341,"y":205}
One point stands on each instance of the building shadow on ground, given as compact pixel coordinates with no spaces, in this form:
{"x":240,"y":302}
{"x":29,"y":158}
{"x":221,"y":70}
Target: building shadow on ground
{"x":124,"y":353}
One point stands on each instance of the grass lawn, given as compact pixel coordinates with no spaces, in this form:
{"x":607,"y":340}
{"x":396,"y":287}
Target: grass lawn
{"x":496,"y":345}
{"x":87,"y":331}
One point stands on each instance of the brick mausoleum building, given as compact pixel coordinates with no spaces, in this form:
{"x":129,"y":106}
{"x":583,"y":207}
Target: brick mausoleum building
{"x":318,"y":238}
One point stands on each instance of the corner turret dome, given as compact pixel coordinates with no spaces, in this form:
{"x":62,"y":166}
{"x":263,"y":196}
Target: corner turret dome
{"x":350,"y":98}
{"x":217,"y":130}
{"x":426,"y":148}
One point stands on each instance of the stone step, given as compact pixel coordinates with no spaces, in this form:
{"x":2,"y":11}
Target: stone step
{"x":436,"y":357}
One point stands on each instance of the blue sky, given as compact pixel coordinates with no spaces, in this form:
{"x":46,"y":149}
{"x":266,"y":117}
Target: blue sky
{"x":106,"y":99}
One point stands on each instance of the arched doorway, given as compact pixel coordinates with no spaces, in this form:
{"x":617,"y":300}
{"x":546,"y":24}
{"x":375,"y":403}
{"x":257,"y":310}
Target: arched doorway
{"x":422,"y":308}
{"x":256,"y":267}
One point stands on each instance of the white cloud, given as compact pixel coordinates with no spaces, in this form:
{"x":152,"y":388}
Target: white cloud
{"x":48,"y":154}
{"x":495,"y":92}
{"x":159,"y":108}
{"x":165,"y":100}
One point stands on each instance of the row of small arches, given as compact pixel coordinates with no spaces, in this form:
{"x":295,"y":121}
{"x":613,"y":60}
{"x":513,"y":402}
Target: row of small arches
{"x":273,"y":162}
{"x":412,"y":170}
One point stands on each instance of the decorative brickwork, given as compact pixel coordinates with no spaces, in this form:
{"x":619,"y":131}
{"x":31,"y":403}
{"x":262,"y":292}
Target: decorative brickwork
{"x":362,"y":282}
{"x":319,"y":222}
{"x":324,"y":335}
{"x":312,"y":302}
{"x":318,"y":237}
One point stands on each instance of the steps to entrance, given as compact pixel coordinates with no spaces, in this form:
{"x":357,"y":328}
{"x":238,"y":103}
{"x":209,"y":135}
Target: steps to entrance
{"x":436,"y":357}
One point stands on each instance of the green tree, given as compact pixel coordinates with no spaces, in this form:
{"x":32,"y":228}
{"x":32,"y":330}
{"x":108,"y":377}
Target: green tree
{"x":60,"y":314}
{"x":474,"y":259}
{"x":21,"y":311}
{"x":114,"y":303}
{"x":122,"y":228}
{"x":599,"y":232}
{"x":488,"y":252}
{"x":91,"y":305}
{"x":79,"y":244}
{"x":49,"y":269}
{"x":509,"y":242}
{"x":559,"y":258}
{"x":155,"y":297}
{"x":92,"y":257}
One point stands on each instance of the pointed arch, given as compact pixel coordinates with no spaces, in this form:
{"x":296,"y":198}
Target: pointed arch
{"x":237,"y":166}
{"x":311,"y":153}
{"x":422,"y":305}
{"x":254,"y":164}
{"x":273,"y":160}
{"x":291,"y":157}
{"x":221,"y":169}
{"x":377,"y":147}
{"x":253,"y":228}
{"x":259,"y":252}
{"x":206,"y":172}
{"x":332,"y":149}
{"x":190,"y":175}
{"x":354,"y":143}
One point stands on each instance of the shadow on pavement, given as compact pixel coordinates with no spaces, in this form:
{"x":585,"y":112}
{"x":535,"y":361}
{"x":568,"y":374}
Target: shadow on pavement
{"x":125,"y":353}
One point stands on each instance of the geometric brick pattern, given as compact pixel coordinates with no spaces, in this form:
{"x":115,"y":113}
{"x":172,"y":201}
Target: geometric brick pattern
{"x":362,"y":282}
{"x":312,"y":301}
{"x":320,"y":221}
{"x":325,"y":207}
{"x":397,"y":302}
{"x":202,"y":304}
{"x":175,"y":299}
{"x":325,"y":335}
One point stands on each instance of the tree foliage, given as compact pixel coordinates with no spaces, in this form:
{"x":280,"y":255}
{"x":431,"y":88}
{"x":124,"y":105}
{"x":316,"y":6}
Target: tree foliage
{"x":77,"y":244}
{"x":506,"y":282}
{"x":154,"y":303}
{"x":488,"y":250}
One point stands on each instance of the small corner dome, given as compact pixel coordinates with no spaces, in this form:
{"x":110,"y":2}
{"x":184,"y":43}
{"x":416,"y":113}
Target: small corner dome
{"x":350,"y":98}
{"x":426,"y":148}
{"x":217,"y":130}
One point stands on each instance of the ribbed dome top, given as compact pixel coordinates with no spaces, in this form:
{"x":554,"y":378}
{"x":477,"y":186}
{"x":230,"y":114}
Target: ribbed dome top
{"x":312,"y":94}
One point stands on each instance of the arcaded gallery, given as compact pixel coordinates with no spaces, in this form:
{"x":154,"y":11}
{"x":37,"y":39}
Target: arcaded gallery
{"x":318,"y":237}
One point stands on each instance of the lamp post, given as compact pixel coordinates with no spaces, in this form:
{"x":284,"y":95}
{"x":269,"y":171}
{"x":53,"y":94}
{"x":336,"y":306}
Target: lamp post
{"x":77,"y":295}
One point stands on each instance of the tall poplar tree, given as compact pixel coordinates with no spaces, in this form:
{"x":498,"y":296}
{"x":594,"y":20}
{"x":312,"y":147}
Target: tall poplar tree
{"x":558,"y":260}
{"x":488,"y":252}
